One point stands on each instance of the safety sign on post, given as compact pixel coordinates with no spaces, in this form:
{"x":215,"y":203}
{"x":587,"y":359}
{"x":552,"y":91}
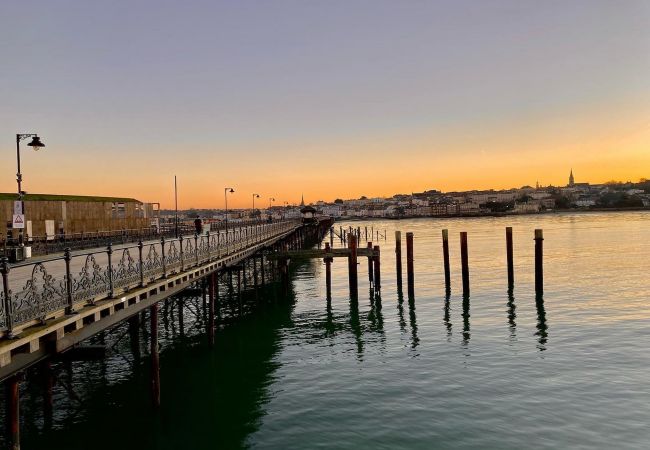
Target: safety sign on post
{"x":18,"y":221}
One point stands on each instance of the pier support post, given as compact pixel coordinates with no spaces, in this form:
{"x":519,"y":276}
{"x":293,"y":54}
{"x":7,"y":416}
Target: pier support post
{"x":370,"y":264}
{"x":464,"y":262}
{"x":155,"y":357}
{"x":377,"y":271}
{"x":352,"y":266}
{"x":445,"y":257}
{"x":398,"y":258}
{"x":509,"y":257}
{"x":539,"y":261}
{"x":12,"y":401}
{"x":409,"y":265}
{"x":328,"y":272}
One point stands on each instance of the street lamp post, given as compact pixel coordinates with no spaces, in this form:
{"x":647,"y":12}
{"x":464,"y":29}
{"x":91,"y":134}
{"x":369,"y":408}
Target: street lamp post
{"x":254,"y":197}
{"x":271,"y":199}
{"x":36,"y":144}
{"x":225,"y":196}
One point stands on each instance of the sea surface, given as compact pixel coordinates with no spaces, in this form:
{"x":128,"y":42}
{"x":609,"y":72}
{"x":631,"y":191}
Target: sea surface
{"x":496,"y":370}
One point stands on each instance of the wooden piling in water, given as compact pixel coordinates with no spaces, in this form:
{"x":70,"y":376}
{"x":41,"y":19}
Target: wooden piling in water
{"x":352,"y":267}
{"x":328,"y":272}
{"x":539,"y":261}
{"x":398,"y":258}
{"x":409,"y":265}
{"x":377,"y":269}
{"x":331,"y":236}
{"x":445,"y":258}
{"x":464,"y":262}
{"x":370,"y":264}
{"x":509,"y":258}
{"x":12,"y":401}
{"x":155,"y":357}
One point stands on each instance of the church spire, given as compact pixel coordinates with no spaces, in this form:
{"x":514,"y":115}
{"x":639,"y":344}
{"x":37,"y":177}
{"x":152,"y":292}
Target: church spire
{"x":302,"y":200}
{"x":571,"y":180}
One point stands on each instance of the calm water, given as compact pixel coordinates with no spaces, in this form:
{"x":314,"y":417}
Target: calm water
{"x":492,"y":372}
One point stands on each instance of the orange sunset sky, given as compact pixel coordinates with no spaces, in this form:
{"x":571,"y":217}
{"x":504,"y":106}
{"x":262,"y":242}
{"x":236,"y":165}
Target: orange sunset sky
{"x":329,"y":102}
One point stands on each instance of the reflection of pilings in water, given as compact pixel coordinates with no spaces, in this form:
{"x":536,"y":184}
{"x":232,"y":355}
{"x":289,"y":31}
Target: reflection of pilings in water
{"x":134,"y":338}
{"x":415,"y":340}
{"x":48,"y":389}
{"x":542,"y":327}
{"x":375,"y":317}
{"x":466,"y":315}
{"x":512,"y":315}
{"x":181,"y":317}
{"x":355,"y":324}
{"x":446,"y":316}
{"x":400,"y":311}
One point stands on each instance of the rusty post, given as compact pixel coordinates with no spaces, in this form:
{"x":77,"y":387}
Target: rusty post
{"x":539,"y":261}
{"x":155,"y":357}
{"x":464,"y":262}
{"x":409,"y":265}
{"x":352,"y":266}
{"x":509,"y":257}
{"x":377,"y":271}
{"x":398,"y":258}
{"x":445,"y":257}
{"x":370,"y":264}
{"x":328,"y":271}
{"x":12,"y":401}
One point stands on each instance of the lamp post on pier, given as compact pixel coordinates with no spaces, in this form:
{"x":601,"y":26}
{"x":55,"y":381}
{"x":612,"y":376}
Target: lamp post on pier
{"x":36,"y":144}
{"x":226,"y":191}
{"x":254,"y":197}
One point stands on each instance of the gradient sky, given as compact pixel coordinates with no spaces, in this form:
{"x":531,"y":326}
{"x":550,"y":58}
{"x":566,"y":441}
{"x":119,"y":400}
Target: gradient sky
{"x":330,"y":98}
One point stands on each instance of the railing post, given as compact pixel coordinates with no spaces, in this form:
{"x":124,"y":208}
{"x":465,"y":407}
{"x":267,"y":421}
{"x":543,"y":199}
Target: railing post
{"x":140,"y":251}
{"x":109,"y":253}
{"x":164,"y":263}
{"x":180,"y":245}
{"x":207,"y":239}
{"x":196,"y":247}
{"x":4,"y":269}
{"x":67,"y":256}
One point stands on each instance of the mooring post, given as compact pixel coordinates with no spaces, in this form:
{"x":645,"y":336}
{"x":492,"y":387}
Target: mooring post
{"x":328,"y":271}
{"x":12,"y":401}
{"x":370,"y":263}
{"x":331,"y":236}
{"x":377,"y":271}
{"x":445,"y":257}
{"x":155,"y":357}
{"x":398,"y":258}
{"x":464,"y":262}
{"x":509,"y":257}
{"x":539,"y":261}
{"x":366,"y":233}
{"x":352,"y":266}
{"x":409,"y":265}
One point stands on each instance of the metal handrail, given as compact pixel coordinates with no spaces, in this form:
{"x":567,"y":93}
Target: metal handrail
{"x":112,"y":271}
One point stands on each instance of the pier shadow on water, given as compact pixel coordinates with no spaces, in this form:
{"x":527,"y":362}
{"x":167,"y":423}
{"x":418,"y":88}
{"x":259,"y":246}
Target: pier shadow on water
{"x":211,"y":397}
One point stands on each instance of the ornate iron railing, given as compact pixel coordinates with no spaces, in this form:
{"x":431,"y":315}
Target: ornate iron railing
{"x":32,"y":291}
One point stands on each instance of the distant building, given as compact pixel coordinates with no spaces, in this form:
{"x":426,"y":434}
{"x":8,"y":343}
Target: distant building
{"x":49,"y":215}
{"x":571,"y":180}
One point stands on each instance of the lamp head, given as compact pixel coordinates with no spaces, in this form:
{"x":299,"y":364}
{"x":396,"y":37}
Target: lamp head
{"x":36,"y":143}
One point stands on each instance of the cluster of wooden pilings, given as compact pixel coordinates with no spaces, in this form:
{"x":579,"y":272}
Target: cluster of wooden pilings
{"x":351,"y":235}
{"x":464,"y":259}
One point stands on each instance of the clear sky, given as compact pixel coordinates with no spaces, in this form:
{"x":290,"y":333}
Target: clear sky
{"x":330,"y":98}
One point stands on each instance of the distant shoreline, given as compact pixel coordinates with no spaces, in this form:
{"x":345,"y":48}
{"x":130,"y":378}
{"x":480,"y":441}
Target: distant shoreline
{"x":473,"y":216}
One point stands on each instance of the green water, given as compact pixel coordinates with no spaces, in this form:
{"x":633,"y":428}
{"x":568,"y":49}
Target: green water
{"x":493,"y":371}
